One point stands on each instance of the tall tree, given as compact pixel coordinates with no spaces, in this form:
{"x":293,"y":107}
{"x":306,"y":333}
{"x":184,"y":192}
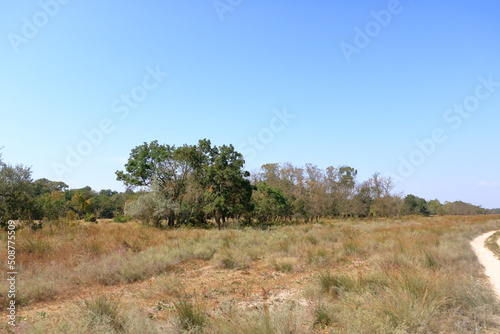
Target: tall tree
{"x":271,"y":203}
{"x":317,"y":201}
{"x":163,"y":169}
{"x":16,"y":188}
{"x":147,"y":163}
{"x":433,"y":206}
{"x":45,"y":186}
{"x":191,"y":182}
{"x":384,"y":201}
{"x":341,"y":184}
{"x":413,"y":205}
{"x":51,"y":205}
{"x":228,"y":190}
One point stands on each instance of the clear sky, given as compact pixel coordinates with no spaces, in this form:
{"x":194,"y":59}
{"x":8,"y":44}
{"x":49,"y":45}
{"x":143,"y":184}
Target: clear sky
{"x":410,"y":89}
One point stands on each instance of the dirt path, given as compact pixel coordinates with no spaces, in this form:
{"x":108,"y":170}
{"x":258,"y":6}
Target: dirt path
{"x":490,"y":263}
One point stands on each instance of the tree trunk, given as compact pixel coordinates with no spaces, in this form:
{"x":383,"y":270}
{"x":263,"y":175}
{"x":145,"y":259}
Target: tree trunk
{"x":171,"y":219}
{"x":217,"y":221}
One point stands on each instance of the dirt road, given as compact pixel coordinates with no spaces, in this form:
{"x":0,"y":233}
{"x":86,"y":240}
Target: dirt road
{"x":490,"y":263}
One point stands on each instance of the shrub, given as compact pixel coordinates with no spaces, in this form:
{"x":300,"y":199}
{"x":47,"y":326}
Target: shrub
{"x":191,"y":317}
{"x":229,"y":259}
{"x":122,"y":219}
{"x":90,"y":217}
{"x":285,"y":267}
{"x":322,"y":315}
{"x":103,"y":310}
{"x":337,"y":283}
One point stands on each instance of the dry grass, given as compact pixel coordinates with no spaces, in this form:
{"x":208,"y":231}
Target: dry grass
{"x":56,"y":259}
{"x":492,"y":244}
{"x":415,"y":275}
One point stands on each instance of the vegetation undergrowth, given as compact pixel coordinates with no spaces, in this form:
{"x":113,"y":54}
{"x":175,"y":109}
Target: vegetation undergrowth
{"x":406,"y":275}
{"x":492,"y":244}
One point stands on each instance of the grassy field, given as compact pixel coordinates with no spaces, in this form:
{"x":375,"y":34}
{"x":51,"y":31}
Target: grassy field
{"x":411,"y":275}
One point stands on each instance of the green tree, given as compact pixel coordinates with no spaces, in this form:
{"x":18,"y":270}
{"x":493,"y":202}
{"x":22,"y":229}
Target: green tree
{"x":103,"y":204}
{"x":49,"y":199}
{"x":45,"y":186}
{"x":340,"y":188}
{"x":413,"y":205}
{"x":145,"y":164}
{"x":271,"y":203}
{"x":51,"y":205}
{"x":162,"y":169}
{"x":362,"y":200}
{"x":316,"y":190}
{"x":433,"y":206}
{"x":80,"y":201}
{"x":460,"y":208}
{"x":293,"y":182}
{"x":191,"y":182}
{"x":16,"y":188}
{"x":228,"y":191}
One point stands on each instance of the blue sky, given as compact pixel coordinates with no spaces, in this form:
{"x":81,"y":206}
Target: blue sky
{"x":277,"y":79}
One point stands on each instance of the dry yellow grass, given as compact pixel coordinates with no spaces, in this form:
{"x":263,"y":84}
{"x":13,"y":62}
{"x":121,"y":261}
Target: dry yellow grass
{"x":409,"y":275}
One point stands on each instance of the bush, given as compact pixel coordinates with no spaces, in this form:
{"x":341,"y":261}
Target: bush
{"x":322,"y":315}
{"x":191,"y":317}
{"x":103,"y":310}
{"x":337,"y":283}
{"x":90,"y":217}
{"x":122,"y":219}
{"x":229,"y":259}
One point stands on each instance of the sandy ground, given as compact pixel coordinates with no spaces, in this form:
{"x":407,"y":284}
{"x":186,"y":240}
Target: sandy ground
{"x":248,"y":289}
{"x":490,"y":263}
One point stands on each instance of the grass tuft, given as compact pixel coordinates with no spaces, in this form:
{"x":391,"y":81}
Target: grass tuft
{"x":103,"y":310}
{"x":191,"y":316}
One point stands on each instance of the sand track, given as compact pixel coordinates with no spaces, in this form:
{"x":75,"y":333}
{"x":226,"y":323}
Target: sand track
{"x":490,"y":263}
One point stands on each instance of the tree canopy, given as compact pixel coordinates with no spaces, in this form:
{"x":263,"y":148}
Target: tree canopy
{"x":189,"y":182}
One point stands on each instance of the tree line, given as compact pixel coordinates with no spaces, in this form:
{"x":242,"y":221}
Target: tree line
{"x":22,"y":198}
{"x":203,"y":183}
